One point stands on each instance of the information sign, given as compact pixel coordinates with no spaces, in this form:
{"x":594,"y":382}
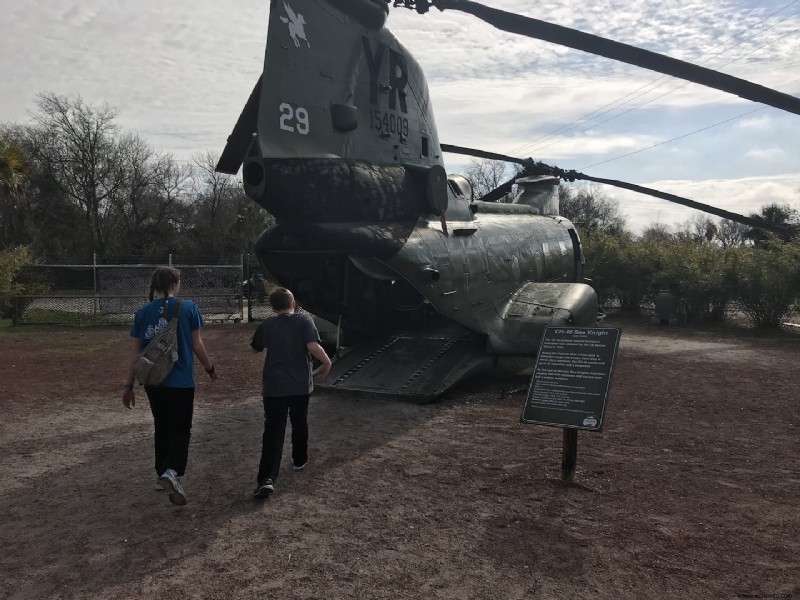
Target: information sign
{"x":572,"y":377}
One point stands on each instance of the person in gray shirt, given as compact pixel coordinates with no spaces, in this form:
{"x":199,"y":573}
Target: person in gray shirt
{"x":289,"y":339}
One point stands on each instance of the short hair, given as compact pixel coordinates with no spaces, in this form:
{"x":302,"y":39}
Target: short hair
{"x":281,"y":299}
{"x":162,"y":279}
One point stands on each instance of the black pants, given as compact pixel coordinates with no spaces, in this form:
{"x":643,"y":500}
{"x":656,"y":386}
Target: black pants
{"x":172,"y":416}
{"x":275,"y":411}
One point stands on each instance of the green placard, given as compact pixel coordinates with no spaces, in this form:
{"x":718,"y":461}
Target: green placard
{"x":572,"y":377}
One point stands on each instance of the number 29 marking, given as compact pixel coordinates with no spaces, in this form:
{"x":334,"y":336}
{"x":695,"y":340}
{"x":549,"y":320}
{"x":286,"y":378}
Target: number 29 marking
{"x":294,"y":119}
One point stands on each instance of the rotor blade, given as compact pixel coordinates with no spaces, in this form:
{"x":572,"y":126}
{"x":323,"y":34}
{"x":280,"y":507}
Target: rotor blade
{"x":480,"y":154}
{"x":538,"y":168}
{"x":626,"y":53}
{"x":242,"y":135}
{"x":499,"y":191}
{"x":707,"y":208}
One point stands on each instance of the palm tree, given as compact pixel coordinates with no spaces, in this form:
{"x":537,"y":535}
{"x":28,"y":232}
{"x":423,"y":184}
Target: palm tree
{"x":779,"y":215}
{"x":14,"y":175}
{"x":14,"y":168}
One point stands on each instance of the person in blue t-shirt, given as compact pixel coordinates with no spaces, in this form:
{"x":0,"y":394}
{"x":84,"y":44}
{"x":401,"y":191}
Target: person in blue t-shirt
{"x":172,"y":401}
{"x":289,"y":340}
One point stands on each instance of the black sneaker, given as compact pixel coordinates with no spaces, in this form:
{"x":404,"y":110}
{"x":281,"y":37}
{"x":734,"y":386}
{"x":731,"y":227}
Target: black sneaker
{"x":264,"y":489}
{"x":300,"y":467}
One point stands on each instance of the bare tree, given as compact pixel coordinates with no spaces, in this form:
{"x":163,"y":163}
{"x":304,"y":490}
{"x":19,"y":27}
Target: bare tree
{"x":698,"y":230}
{"x":143,"y":218}
{"x":657,"y":232}
{"x":486,"y":175}
{"x":95,"y":188}
{"x":77,"y":145}
{"x":226,"y":222}
{"x":592,"y":209}
{"x":730,"y":234}
{"x":216,"y":200}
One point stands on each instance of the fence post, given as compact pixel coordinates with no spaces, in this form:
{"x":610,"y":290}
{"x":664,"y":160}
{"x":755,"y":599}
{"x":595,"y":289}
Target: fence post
{"x":94,"y":276}
{"x":240,"y":283}
{"x":169,"y":259}
{"x":249,"y":289}
{"x":15,"y":309}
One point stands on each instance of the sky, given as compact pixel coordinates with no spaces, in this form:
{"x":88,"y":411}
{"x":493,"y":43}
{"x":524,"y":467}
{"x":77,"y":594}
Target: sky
{"x":179,"y":73}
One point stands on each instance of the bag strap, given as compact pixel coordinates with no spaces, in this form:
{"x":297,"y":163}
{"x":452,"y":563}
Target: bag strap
{"x":175,"y":311}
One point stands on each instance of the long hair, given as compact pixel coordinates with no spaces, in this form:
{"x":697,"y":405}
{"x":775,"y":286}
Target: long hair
{"x":162,"y":280}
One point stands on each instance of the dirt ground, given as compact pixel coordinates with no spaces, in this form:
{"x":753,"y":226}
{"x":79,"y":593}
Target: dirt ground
{"x":691,"y":490}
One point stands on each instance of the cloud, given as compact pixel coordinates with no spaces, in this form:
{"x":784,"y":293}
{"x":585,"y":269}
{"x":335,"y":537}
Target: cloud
{"x":179,"y":74}
{"x":764,"y":153}
{"x":759,"y":123}
{"x":743,"y":196}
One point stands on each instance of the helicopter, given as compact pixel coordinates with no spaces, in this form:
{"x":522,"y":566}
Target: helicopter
{"x":421,"y":284}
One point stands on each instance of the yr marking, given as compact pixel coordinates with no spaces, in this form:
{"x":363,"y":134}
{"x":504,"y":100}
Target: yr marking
{"x":398,"y":74}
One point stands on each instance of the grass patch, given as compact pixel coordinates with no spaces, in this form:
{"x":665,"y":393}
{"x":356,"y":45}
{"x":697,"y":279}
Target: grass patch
{"x":50,"y":316}
{"x":81,"y":346}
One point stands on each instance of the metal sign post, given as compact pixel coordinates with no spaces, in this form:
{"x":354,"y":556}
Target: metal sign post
{"x":569,"y":454}
{"x":570,"y":384}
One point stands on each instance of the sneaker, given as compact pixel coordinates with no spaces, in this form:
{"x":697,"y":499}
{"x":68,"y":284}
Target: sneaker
{"x":160,"y":488}
{"x":300,"y":467}
{"x":172,"y":484}
{"x":264,"y":489}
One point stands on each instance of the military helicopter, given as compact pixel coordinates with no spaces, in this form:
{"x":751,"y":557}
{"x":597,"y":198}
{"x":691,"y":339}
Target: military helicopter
{"x":422,"y":283}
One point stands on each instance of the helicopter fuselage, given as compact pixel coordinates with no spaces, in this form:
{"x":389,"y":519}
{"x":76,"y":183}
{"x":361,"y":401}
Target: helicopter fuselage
{"x":372,"y":275}
{"x":371,"y":234}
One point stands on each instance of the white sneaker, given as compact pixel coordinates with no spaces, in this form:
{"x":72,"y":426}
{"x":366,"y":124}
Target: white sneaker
{"x":160,"y":488}
{"x":172,"y":483}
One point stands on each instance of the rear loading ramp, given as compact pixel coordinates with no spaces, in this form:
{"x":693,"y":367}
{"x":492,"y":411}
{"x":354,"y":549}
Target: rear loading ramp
{"x":418,"y":366}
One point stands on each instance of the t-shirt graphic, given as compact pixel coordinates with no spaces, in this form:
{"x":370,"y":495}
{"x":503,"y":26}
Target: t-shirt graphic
{"x":153,"y":331}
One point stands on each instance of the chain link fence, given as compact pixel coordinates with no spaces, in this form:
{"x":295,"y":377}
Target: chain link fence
{"x":82,"y":294}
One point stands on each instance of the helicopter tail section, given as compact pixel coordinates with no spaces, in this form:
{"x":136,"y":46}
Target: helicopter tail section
{"x":337,"y":83}
{"x":340,"y":126}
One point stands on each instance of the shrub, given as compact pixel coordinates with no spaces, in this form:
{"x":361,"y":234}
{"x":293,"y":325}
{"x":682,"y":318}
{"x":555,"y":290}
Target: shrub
{"x":11,"y":262}
{"x":767,"y":279}
{"x":602,"y":254}
{"x":621,"y":269}
{"x":701,"y":273}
